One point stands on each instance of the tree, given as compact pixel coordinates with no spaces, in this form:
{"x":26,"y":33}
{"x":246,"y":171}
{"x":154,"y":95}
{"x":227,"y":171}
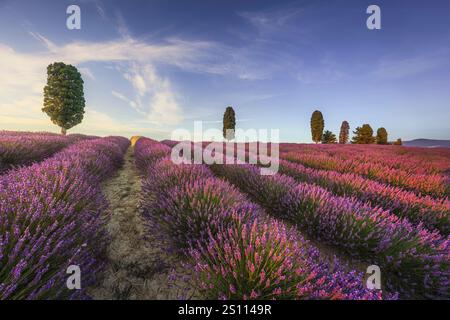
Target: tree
{"x":328,"y":137}
{"x":398,"y":142}
{"x":363,"y":135}
{"x":63,"y":96}
{"x":382,"y":136}
{"x":317,"y":125}
{"x":229,"y":123}
{"x":343,"y":135}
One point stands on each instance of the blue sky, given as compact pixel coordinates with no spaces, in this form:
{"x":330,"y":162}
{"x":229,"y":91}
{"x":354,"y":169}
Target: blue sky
{"x":154,"y":66}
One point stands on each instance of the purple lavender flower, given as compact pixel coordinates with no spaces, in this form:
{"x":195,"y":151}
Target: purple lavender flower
{"x":401,"y":249}
{"x":51,"y":217}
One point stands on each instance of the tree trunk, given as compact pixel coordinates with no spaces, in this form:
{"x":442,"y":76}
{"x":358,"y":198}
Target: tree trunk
{"x":63,"y":131}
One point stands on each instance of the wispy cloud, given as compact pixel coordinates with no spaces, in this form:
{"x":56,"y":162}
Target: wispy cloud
{"x":273,"y":20}
{"x":139,"y":62}
{"x":122,"y":28}
{"x":100,"y":10}
{"x":395,"y":68}
{"x":99,"y":7}
{"x":154,"y":99}
{"x":120,"y":96}
{"x":327,"y":70}
{"x":154,"y":95}
{"x":130,"y":102}
{"x":86,"y":72}
{"x":98,"y":122}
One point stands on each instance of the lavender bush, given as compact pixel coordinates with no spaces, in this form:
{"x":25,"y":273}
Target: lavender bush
{"x":415,"y":259}
{"x":185,"y":201}
{"x":237,"y":251}
{"x":23,"y":148}
{"x":265,"y":260}
{"x":148,"y":151}
{"x":433,"y":213}
{"x":187,"y":212}
{"x":50,"y":218}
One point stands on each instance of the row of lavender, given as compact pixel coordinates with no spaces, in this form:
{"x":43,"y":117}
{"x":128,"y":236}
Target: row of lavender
{"x":236,"y":251}
{"x":432,"y":213}
{"x":433,"y":184}
{"x":50,"y":218}
{"x":414,"y":260}
{"x":410,"y":159}
{"x":23,"y":148}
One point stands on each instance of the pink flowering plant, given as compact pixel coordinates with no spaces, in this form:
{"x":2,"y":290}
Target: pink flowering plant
{"x":266,"y":260}
{"x":406,"y":252}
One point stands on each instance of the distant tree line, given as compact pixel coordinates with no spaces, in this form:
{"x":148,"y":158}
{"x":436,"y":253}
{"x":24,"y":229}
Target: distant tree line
{"x":361,"y":135}
{"x":64,"y":103}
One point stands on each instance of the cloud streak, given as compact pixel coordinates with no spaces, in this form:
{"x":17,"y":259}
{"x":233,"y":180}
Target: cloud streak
{"x":138,"y":62}
{"x":155,"y":97}
{"x":270,"y":21}
{"x":389,"y":68}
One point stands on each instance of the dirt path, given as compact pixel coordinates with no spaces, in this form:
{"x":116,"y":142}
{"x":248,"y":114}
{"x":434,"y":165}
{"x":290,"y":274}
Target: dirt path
{"x":138,"y":265}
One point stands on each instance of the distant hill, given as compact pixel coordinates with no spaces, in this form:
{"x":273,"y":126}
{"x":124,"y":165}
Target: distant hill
{"x":427,"y":143}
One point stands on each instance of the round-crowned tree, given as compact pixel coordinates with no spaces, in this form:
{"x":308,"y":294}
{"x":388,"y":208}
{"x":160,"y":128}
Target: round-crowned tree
{"x":328,"y":137}
{"x":382,"y":136}
{"x":363,"y":135}
{"x":63,"y":96}
{"x":317,"y":125}
{"x":229,"y":123}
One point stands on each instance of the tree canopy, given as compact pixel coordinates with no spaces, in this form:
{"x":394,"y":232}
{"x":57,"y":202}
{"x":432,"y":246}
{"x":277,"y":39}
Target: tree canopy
{"x":363,"y":135}
{"x":229,"y":123}
{"x":317,"y":125}
{"x":328,"y":137}
{"x":344,"y":134}
{"x":382,"y":136}
{"x":63,"y":96}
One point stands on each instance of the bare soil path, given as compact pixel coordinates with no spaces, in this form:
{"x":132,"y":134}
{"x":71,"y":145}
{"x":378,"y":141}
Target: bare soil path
{"x":138,"y":265}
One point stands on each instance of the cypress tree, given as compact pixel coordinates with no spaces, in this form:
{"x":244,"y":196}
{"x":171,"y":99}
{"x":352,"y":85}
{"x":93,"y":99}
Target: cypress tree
{"x":317,"y":125}
{"x":343,"y":135}
{"x":229,"y":123}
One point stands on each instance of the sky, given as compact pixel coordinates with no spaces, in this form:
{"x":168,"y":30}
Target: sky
{"x":151,"y":67}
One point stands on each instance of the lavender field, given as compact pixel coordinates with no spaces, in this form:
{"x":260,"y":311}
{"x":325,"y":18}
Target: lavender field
{"x":140,"y":226}
{"x":217,"y":159}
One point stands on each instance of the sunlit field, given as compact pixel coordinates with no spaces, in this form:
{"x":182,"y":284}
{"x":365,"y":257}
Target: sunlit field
{"x":216,"y":159}
{"x":221,"y":231}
